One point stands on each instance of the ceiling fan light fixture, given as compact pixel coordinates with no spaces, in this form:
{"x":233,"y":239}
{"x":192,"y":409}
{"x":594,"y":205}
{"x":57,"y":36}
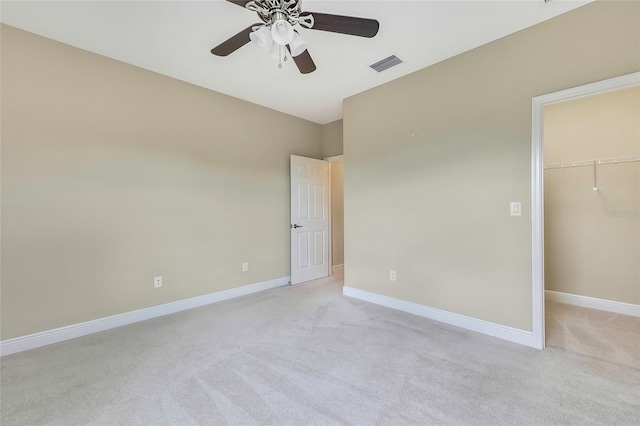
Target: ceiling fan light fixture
{"x":282,"y":32}
{"x":276,"y":30}
{"x":297,"y":45}
{"x":262,"y":38}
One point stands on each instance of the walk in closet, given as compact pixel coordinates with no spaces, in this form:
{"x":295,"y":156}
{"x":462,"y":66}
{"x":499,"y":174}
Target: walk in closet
{"x":592,"y":225}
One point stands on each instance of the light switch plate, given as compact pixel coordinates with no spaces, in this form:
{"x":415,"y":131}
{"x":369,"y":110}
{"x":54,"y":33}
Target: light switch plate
{"x":515,"y":208}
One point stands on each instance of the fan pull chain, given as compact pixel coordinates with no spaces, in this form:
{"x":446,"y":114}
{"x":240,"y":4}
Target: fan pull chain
{"x":280,"y":57}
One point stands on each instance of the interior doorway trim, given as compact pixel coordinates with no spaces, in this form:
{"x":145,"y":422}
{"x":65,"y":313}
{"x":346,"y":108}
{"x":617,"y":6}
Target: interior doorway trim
{"x":537,"y":184}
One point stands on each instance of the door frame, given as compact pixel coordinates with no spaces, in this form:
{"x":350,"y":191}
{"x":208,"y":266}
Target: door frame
{"x":330,"y":160}
{"x":537,"y":184}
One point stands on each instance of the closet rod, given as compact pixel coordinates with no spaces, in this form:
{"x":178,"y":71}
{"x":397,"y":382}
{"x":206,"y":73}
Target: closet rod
{"x":591,"y":163}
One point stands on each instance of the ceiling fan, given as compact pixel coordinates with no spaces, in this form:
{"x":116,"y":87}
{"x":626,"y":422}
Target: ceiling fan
{"x":276,"y":31}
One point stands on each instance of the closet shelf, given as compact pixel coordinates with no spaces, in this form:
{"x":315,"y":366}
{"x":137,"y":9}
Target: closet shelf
{"x":591,"y":163}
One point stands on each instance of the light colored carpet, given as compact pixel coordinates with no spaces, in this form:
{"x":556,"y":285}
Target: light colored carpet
{"x":598,"y":334}
{"x":306,"y":355}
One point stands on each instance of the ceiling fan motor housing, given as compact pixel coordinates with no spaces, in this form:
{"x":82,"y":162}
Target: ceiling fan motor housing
{"x":272,"y":11}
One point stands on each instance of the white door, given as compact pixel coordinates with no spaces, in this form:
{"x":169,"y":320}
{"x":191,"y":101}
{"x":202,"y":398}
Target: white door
{"x":309,"y":219}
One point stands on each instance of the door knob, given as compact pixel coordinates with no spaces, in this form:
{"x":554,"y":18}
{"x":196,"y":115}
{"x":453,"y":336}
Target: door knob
{"x":297,"y":226}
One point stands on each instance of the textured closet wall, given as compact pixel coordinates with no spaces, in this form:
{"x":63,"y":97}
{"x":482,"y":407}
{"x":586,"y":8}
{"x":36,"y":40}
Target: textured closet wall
{"x":592,"y":238}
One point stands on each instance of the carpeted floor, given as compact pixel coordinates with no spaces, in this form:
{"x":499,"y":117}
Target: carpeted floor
{"x":306,"y":355}
{"x":597,"y":334}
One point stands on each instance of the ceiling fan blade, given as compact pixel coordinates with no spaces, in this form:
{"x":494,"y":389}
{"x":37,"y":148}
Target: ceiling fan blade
{"x":234,"y":43}
{"x":240,"y":3}
{"x":304,"y":62}
{"x":361,"y":27}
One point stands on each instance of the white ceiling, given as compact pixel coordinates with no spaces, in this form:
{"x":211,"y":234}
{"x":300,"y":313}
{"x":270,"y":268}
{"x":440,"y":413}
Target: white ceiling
{"x":174,"y":38}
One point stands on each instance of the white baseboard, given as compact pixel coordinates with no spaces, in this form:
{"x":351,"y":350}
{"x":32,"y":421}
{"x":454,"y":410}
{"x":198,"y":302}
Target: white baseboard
{"x":485,"y":327}
{"x":36,"y":340}
{"x":593,"y":303}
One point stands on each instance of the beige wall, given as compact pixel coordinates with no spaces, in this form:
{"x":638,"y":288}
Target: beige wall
{"x":434,"y":158}
{"x":591,"y":250}
{"x":112,"y":175}
{"x":332,"y":139}
{"x":337,"y":212}
{"x":596,"y":127}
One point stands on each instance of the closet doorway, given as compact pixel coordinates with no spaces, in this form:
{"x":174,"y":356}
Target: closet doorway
{"x":591,"y":224}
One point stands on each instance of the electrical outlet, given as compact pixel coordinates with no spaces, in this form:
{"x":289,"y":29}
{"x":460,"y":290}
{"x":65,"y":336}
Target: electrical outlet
{"x":393,"y":275}
{"x":245,"y":266}
{"x":157,"y":282}
{"x":515,"y":208}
